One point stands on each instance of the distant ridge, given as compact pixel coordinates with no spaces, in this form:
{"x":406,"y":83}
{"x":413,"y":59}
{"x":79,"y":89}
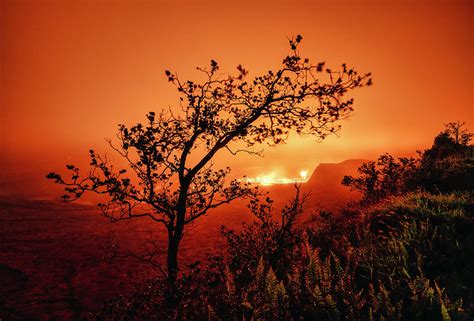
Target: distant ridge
{"x":327,"y":192}
{"x":327,"y":172}
{"x":324,"y":185}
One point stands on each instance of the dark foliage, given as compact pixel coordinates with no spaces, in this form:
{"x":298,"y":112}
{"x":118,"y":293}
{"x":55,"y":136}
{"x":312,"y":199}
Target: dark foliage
{"x":447,"y":166}
{"x":408,"y":258}
{"x":383,"y":178}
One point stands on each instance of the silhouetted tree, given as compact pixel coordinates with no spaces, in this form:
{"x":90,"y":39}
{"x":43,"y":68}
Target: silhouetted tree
{"x":452,"y":141}
{"x":171,"y":154}
{"x":388,"y":176}
{"x":448,"y":165}
{"x":457,"y":133}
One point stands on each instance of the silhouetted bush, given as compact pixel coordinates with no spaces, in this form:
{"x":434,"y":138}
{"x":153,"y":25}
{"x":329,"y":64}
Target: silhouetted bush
{"x":445,"y":167}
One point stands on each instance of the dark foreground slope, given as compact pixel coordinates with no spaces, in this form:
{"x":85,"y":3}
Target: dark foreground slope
{"x":52,"y":264}
{"x":51,"y":261}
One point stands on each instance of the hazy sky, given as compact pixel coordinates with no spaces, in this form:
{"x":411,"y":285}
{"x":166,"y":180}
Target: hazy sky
{"x":71,"y":70}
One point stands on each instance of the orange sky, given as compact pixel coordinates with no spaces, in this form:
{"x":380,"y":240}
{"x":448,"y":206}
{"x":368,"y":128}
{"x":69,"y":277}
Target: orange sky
{"x":71,"y":70}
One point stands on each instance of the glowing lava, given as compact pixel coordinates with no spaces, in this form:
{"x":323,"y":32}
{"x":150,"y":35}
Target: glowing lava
{"x":272,"y":179}
{"x":304,"y":174}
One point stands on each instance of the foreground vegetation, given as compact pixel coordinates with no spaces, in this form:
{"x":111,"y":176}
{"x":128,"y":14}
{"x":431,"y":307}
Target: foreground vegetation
{"x":403,"y":253}
{"x":408,"y":258}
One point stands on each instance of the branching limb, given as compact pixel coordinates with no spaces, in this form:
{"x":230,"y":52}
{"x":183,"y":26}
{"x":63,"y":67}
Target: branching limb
{"x":151,"y":252}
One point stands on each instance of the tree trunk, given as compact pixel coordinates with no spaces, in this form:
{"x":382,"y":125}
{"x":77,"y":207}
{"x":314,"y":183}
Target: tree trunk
{"x":172,"y":256}
{"x":175,"y":233}
{"x":172,"y":267}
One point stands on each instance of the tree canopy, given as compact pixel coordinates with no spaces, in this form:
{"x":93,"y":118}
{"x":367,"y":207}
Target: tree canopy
{"x":170,"y":156}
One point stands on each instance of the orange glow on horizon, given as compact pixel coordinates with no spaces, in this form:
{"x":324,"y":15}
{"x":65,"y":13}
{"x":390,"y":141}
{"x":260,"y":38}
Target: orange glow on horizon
{"x":72,"y":70}
{"x":273,"y":178}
